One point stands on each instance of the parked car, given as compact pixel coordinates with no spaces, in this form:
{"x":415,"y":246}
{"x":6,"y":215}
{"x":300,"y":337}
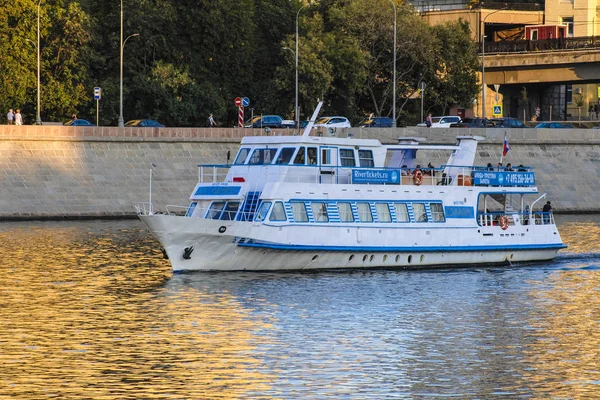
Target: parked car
{"x":290,"y":123}
{"x":144,"y":123}
{"x":442,"y":122}
{"x":265,"y":121}
{"x":333,"y":122}
{"x":507,"y":122}
{"x":553,"y":125}
{"x":376,"y":122}
{"x":473,"y":123}
{"x":78,"y":122}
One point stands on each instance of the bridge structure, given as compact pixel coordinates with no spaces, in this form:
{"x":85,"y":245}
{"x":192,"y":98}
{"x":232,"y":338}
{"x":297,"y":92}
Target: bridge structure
{"x":547,"y":70}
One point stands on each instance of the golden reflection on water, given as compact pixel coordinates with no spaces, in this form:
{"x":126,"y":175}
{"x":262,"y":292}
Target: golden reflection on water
{"x":581,"y":237}
{"x":87,"y":314}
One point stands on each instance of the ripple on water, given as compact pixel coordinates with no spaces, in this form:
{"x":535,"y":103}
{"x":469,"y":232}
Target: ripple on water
{"x":91,"y":310}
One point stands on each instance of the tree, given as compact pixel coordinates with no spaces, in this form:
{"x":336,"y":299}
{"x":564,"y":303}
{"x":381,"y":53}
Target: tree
{"x":63,"y":40}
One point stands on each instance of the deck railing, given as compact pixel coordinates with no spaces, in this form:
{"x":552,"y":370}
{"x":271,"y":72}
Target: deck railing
{"x":325,"y":174}
{"x":516,"y":218}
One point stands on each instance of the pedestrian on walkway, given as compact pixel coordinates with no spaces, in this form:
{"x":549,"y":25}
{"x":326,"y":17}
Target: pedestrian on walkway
{"x":10,"y":117}
{"x":592,"y":113}
{"x":211,"y":121}
{"x":597,"y":111}
{"x":428,"y":120}
{"x":18,"y":118}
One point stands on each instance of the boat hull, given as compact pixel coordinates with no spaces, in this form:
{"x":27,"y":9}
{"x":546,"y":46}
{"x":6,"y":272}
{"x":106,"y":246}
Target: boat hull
{"x":217,"y":246}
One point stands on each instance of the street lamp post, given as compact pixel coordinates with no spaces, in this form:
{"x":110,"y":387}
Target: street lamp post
{"x":297,"y":109}
{"x":121,"y":120}
{"x":394,"y":123}
{"x":483,"y":61}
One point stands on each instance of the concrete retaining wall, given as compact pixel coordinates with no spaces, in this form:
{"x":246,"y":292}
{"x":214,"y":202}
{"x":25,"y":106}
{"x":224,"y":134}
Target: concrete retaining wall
{"x":56,"y":172}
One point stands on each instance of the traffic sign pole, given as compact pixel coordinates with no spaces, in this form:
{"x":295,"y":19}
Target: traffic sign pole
{"x":240,"y":117}
{"x":97,"y":97}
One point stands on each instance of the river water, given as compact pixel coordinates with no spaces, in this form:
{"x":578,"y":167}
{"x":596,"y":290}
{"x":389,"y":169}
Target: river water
{"x":90,"y":310}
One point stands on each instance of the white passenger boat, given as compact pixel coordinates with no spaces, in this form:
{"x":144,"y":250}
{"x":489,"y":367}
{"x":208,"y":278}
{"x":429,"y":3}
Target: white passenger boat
{"x":316,"y":202}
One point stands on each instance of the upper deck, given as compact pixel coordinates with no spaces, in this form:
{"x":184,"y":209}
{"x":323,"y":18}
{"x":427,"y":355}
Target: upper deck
{"x":327,"y":160}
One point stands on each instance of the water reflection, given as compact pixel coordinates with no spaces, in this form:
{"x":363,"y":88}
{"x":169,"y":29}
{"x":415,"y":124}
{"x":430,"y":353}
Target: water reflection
{"x":91,"y":310}
{"x":88,"y":312}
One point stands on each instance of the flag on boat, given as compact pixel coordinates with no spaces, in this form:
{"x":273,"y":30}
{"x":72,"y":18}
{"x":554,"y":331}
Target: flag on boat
{"x":506,"y":146}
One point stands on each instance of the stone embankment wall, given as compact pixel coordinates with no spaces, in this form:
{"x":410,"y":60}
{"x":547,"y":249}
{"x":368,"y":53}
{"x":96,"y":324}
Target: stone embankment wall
{"x":70,"y":172}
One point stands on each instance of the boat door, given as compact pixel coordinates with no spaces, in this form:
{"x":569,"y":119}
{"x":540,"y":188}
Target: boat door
{"x":328,"y":165}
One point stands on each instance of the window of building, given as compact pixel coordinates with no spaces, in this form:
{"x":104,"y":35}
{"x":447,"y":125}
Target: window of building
{"x":242,"y":155}
{"x":230,"y":210}
{"x":319,"y":211}
{"x":383,"y":212}
{"x":534,"y":34}
{"x":285,"y":155}
{"x":437,"y":212}
{"x":261,"y":214}
{"x":299,"y":212}
{"x":215,"y":209}
{"x":419,"y":211}
{"x":278,"y":213}
{"x":300,"y":157}
{"x":364,"y":212}
{"x":345,"y":210}
{"x":569,"y":94}
{"x":347,"y":158}
{"x":365,"y":158}
{"x":401,"y":212}
{"x":570,"y":26}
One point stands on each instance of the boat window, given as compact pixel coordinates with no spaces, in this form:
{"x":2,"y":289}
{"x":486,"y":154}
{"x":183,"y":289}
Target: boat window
{"x":325,"y":156}
{"x":319,"y":211}
{"x":299,"y":212}
{"x":347,"y":158}
{"x":365,"y":157}
{"x":242,"y":155}
{"x":261,"y":214}
{"x":262,"y":156}
{"x":214,"y":211}
{"x":401,"y":212}
{"x":299,"y":160}
{"x":285,"y":156}
{"x":312,"y":155}
{"x":191,"y":209}
{"x":278,"y":213}
{"x":419,"y":211}
{"x":383,"y":212}
{"x":230,"y":210}
{"x":364,"y":212}
{"x":437,"y":212}
{"x":345,"y":210}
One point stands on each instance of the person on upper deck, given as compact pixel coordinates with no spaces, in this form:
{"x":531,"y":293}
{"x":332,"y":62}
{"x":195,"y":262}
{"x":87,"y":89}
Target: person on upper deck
{"x":547,"y":209}
{"x":490,"y":167}
{"x":405,"y":170}
{"x":430,"y":170}
{"x":500,"y":167}
{"x":509,"y":167}
{"x":521,"y":168}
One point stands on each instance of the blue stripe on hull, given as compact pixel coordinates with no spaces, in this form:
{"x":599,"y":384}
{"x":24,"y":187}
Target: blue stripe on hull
{"x":556,"y":246}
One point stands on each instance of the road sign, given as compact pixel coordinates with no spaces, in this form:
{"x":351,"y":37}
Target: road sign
{"x":245,"y":102}
{"x":497,"y":110}
{"x":238,"y":101}
{"x":97,"y":93}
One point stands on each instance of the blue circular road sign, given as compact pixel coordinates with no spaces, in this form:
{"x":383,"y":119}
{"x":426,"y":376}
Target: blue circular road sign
{"x":245,"y":102}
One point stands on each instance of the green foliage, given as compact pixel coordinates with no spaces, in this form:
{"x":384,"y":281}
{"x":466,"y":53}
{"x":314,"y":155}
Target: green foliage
{"x":193,"y":57}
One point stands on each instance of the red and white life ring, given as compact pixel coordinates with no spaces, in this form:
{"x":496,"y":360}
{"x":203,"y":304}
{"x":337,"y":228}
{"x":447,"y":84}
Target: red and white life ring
{"x":418,"y":177}
{"x":504,"y":222}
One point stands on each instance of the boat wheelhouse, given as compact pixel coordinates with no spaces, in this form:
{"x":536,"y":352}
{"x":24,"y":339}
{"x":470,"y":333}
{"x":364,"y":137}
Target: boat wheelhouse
{"x":314,"y":202}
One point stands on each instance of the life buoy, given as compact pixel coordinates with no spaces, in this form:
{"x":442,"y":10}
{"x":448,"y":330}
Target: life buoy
{"x":504,"y":222}
{"x":418,"y":177}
